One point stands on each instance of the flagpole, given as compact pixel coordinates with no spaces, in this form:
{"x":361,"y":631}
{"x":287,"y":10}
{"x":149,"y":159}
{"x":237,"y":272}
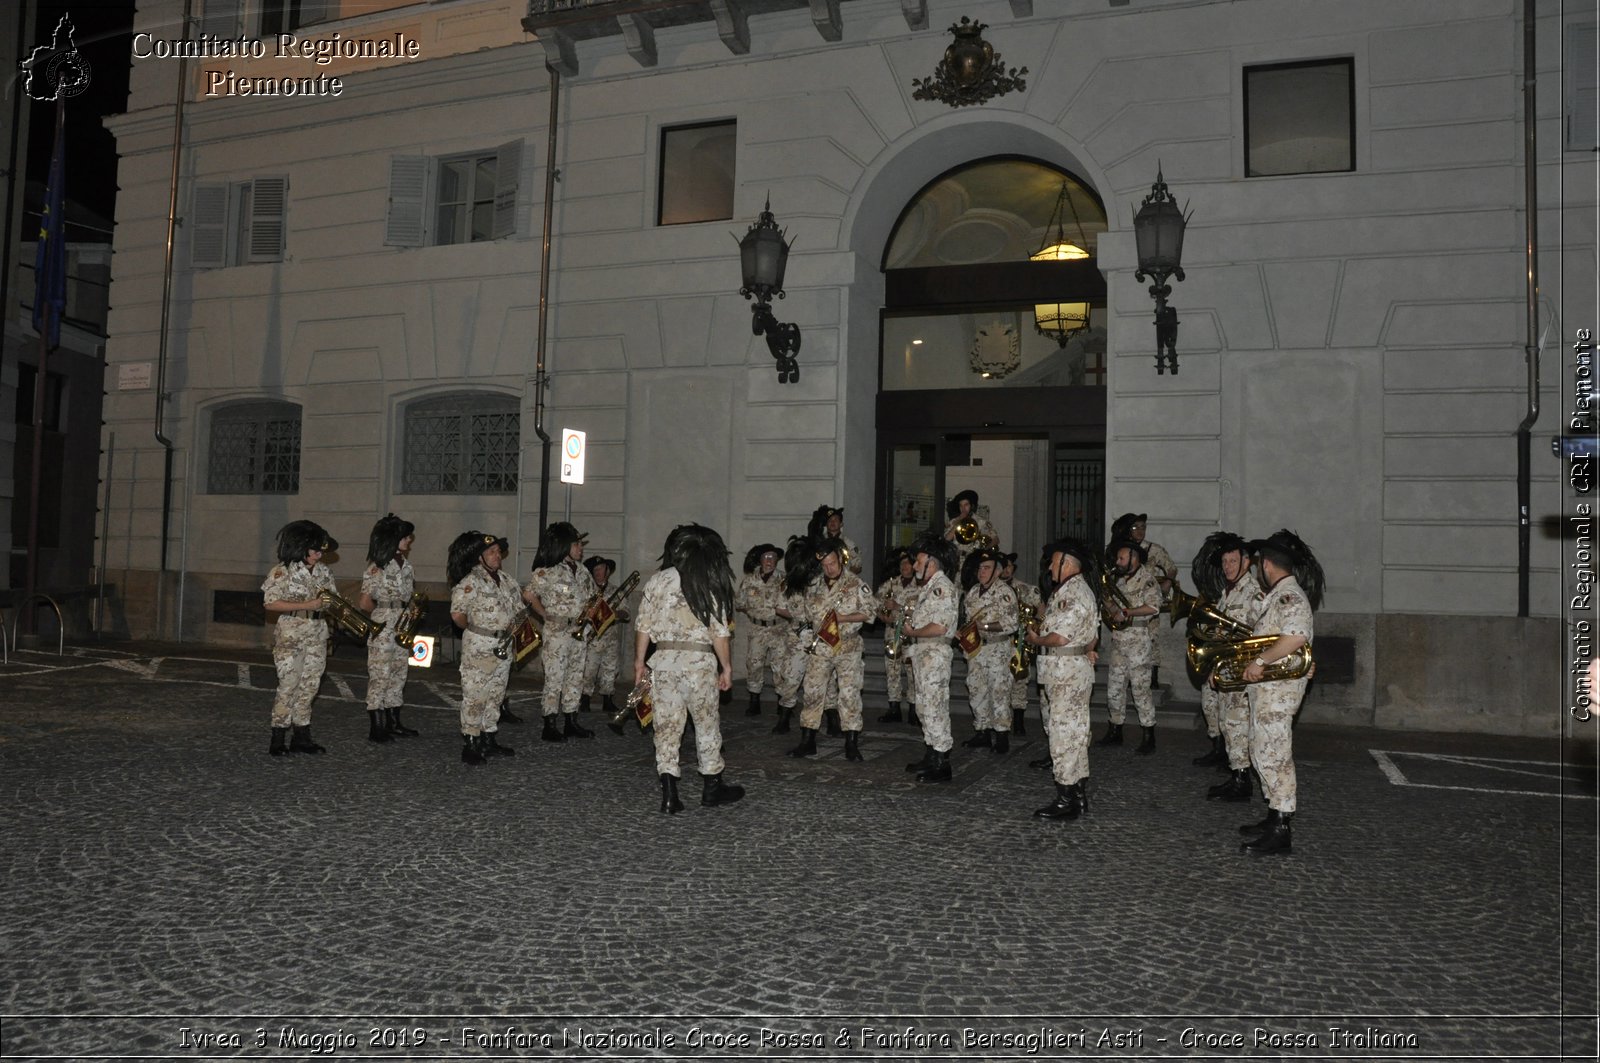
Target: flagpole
{"x":49,"y":323}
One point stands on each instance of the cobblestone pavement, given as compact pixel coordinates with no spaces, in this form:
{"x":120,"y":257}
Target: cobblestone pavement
{"x":168,"y":887}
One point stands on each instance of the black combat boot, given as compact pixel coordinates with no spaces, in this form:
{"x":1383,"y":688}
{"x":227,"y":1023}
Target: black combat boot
{"x":300,"y":741}
{"x":1002,"y":741}
{"x":1218,"y":754}
{"x":808,"y":743}
{"x":782,"y":726}
{"x":506,"y":715}
{"x":893,"y":715}
{"x":1113,"y":735}
{"x":1237,"y":788}
{"x":1252,"y":829}
{"x":1065,"y":806}
{"x":984,"y":739}
{"x":471,"y":750}
{"x":1274,"y":839}
{"x":925,"y":763}
{"x":938,"y":769}
{"x":280,"y":738}
{"x":609,"y":706}
{"x":396,"y":728}
{"x":669,"y":794}
{"x":574,"y":729}
{"x":377,"y":727}
{"x":1148,"y":746}
{"x":551,"y":732}
{"x":717,"y":792}
{"x":1017,"y":726}
{"x":852,"y":745}
{"x":911,"y":715}
{"x":583,"y":703}
{"x":1040,"y":762}
{"x":755,"y":705}
{"x":832,"y":716}
{"x":493,"y":748}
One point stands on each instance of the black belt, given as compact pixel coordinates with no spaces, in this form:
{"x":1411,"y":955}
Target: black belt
{"x":306,"y":615}
{"x":766,"y":623}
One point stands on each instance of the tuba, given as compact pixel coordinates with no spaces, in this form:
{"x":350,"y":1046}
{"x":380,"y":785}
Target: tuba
{"x":347,"y":618}
{"x":1022,"y":654}
{"x":410,"y":618}
{"x":1223,"y":662}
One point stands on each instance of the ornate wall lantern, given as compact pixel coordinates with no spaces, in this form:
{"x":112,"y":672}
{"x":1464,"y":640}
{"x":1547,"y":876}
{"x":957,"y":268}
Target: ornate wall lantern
{"x":1158,"y":230}
{"x":763,"y":255}
{"x":970,"y":72}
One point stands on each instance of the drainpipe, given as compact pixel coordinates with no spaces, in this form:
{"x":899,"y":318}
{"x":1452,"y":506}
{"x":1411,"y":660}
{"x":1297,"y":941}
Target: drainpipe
{"x":544,"y":302}
{"x":1531,"y":348}
{"x":166,"y":314}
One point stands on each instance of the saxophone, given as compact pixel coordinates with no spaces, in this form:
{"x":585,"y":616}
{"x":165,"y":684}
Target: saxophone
{"x":347,"y":618}
{"x":410,"y":618}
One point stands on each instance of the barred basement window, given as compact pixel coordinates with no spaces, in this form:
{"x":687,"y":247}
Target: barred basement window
{"x":255,"y":449}
{"x":463,"y":444}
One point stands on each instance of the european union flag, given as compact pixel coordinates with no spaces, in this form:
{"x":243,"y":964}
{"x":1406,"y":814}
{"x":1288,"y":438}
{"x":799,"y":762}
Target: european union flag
{"x":50,"y":262}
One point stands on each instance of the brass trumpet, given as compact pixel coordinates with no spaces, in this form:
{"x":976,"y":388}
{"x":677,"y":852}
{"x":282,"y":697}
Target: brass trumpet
{"x":1207,"y":623}
{"x":410,"y":618}
{"x":591,"y":629}
{"x":347,"y":618}
{"x":1022,"y":653}
{"x":639,"y":704}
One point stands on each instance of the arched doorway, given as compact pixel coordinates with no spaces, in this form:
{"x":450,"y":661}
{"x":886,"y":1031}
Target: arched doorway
{"x":992,"y":355}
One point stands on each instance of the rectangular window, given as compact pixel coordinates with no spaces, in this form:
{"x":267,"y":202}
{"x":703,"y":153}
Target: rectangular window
{"x":697,"y":169}
{"x":453,"y":199}
{"x":238,"y":223}
{"x":1300,"y":118}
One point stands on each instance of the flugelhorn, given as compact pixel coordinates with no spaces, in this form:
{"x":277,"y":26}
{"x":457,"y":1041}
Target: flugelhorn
{"x":348,"y":618}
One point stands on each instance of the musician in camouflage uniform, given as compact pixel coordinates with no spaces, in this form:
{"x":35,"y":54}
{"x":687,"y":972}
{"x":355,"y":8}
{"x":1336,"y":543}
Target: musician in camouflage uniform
{"x":1133,"y":648}
{"x":927,"y":634}
{"x":685,"y":611}
{"x":1068,"y":633}
{"x":602,"y":655}
{"x":760,"y":590}
{"x":386,"y":589}
{"x":1294,"y":582}
{"x":1165,"y":570}
{"x":1223,"y":573}
{"x":833,"y":528}
{"x":836,"y":605}
{"x":961,"y":507}
{"x":799,"y":569}
{"x":562,"y":592}
{"x":990,"y":603}
{"x":901,"y":589}
{"x":486,"y":603}
{"x":1027,"y":598}
{"x":300,"y":641}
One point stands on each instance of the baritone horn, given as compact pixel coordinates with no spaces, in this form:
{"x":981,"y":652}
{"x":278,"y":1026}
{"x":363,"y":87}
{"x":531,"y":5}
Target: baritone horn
{"x":348,"y":618}
{"x":410,"y":618}
{"x":1223,"y":663}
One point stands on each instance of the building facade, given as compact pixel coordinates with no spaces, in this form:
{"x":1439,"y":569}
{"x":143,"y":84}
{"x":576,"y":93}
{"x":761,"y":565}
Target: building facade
{"x":359,"y":282}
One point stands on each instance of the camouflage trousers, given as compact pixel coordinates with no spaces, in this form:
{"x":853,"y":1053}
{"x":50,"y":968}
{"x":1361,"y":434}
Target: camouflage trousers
{"x":483,"y":683}
{"x":792,"y":672}
{"x":563,"y":669}
{"x":834,"y":679}
{"x":386,"y":666}
{"x":601,"y":662}
{"x":1272,"y":709}
{"x":933,"y":693}
{"x":679,"y":694}
{"x":1066,"y":723}
{"x":1234,"y":709}
{"x":989,"y":686}
{"x":1019,"y":690}
{"x":300,"y":652}
{"x":767,"y":653}
{"x":1132,"y":658}
{"x":1210,"y":708}
{"x":898,"y":672}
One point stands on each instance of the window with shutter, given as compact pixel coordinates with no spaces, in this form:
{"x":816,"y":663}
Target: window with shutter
{"x":268,"y":202}
{"x":453,"y":199}
{"x":1581,"y":76}
{"x":208,"y":226}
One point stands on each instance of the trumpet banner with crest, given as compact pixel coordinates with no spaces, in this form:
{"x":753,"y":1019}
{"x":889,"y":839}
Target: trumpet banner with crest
{"x":829,"y":631}
{"x":968,"y":639}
